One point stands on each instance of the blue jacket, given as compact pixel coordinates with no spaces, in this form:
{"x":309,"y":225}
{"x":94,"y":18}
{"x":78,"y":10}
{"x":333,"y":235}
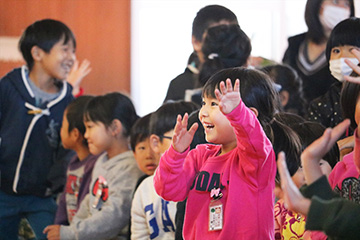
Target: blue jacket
{"x":29,"y":135}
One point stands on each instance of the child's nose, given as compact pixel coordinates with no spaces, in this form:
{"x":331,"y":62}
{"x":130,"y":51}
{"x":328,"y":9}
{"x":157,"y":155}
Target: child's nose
{"x":203,"y":112}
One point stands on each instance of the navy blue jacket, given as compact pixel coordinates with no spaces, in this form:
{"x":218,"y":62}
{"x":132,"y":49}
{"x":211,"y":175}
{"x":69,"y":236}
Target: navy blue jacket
{"x":29,"y":135}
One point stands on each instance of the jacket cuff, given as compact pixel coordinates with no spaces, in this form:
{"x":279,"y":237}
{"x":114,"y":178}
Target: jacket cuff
{"x":66,"y":232}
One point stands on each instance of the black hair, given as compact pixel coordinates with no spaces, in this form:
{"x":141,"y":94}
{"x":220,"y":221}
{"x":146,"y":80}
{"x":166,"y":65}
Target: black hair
{"x":164,"y":118}
{"x":199,"y":136}
{"x":256,"y":89}
{"x":75,"y":114}
{"x":316,"y":31}
{"x":308,"y":132}
{"x":209,"y":15}
{"x":44,"y":34}
{"x":290,"y":81}
{"x":112,"y":106}
{"x":348,"y":98}
{"x":140,"y":131}
{"x":347,"y":32}
{"x":286,"y":140}
{"x":224,"y":46}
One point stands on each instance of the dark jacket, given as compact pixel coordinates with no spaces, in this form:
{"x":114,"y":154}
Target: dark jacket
{"x":315,"y":84}
{"x":29,"y":135}
{"x":177,"y":87}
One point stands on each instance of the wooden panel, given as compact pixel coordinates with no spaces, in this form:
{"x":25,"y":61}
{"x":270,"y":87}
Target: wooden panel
{"x":102,"y":30}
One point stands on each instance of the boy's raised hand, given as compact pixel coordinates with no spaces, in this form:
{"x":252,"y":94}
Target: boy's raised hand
{"x":228,"y":97}
{"x":182,"y":137}
{"x":354,"y":67}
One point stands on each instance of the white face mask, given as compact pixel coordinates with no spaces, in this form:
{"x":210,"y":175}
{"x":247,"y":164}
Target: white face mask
{"x":339,"y":68}
{"x":331,"y":16}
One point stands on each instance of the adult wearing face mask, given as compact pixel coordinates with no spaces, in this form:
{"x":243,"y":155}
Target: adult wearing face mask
{"x":344,"y":37}
{"x":306,"y":51}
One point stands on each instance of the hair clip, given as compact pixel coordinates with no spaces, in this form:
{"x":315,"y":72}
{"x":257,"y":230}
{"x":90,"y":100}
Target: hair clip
{"x":212,"y":56}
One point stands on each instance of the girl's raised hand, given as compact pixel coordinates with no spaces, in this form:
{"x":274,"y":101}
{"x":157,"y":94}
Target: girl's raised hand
{"x":354,"y":67}
{"x":228,"y":97}
{"x":182,"y":137}
{"x":316,"y":151}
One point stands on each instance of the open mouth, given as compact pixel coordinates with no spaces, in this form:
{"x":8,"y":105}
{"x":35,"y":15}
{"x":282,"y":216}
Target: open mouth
{"x":208,"y":126}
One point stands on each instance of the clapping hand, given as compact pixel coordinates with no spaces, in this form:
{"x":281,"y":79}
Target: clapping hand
{"x":182,"y":137}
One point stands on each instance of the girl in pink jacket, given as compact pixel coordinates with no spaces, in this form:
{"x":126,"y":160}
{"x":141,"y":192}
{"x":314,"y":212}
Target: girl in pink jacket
{"x":229,"y":184}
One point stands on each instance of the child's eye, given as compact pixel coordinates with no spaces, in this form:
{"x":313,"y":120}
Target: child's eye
{"x":335,"y":50}
{"x":214,"y":104}
{"x":202,"y":103}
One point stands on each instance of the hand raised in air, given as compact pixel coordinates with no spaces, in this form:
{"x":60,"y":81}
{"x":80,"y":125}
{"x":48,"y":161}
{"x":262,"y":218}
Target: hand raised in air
{"x":228,"y":97}
{"x":182,"y":137}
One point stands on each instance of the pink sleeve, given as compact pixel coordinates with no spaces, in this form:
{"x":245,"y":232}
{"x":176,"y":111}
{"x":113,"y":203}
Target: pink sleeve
{"x":174,"y":175}
{"x":257,"y":154}
{"x":357,"y":151}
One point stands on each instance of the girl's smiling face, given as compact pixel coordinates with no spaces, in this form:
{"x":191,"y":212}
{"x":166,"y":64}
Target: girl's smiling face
{"x":99,"y":137}
{"x":217,"y":127}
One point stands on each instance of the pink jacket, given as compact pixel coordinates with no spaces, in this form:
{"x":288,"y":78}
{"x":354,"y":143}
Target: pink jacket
{"x":246,"y":176}
{"x":344,"y":178}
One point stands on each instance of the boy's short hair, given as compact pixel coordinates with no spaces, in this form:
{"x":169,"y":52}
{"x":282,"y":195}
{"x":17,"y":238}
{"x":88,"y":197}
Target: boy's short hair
{"x":75,"y":113}
{"x":44,"y":34}
{"x":209,"y":15}
{"x":164,"y":119}
{"x":347,"y":32}
{"x":140,"y":131}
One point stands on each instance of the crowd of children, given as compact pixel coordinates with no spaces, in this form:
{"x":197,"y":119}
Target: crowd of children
{"x":232,"y":153}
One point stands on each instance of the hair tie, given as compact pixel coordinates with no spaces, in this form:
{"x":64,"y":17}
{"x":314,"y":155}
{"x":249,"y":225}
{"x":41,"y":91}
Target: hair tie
{"x":272,"y":120}
{"x":212,"y":56}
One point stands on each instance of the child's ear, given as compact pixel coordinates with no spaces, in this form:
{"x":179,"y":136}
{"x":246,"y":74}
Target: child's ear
{"x":196,"y":44}
{"x":284,"y":98}
{"x":36,"y":53}
{"x":255,"y":111}
{"x":155,"y":143}
{"x":75,"y":134}
{"x":116,"y":127}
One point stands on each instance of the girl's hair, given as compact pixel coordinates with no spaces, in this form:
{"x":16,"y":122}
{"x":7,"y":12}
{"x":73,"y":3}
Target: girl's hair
{"x":349,"y":96}
{"x":316,"y":31}
{"x":140,"y":131}
{"x":256,"y":89}
{"x":287,"y":140}
{"x":44,"y":34}
{"x":290,"y":81}
{"x":347,"y":32}
{"x":310,"y":131}
{"x":112,"y":106}
{"x":164,"y":118}
{"x":224,"y":46}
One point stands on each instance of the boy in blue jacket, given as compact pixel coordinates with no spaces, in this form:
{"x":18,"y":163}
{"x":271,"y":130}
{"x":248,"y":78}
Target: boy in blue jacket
{"x":32,"y":101}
